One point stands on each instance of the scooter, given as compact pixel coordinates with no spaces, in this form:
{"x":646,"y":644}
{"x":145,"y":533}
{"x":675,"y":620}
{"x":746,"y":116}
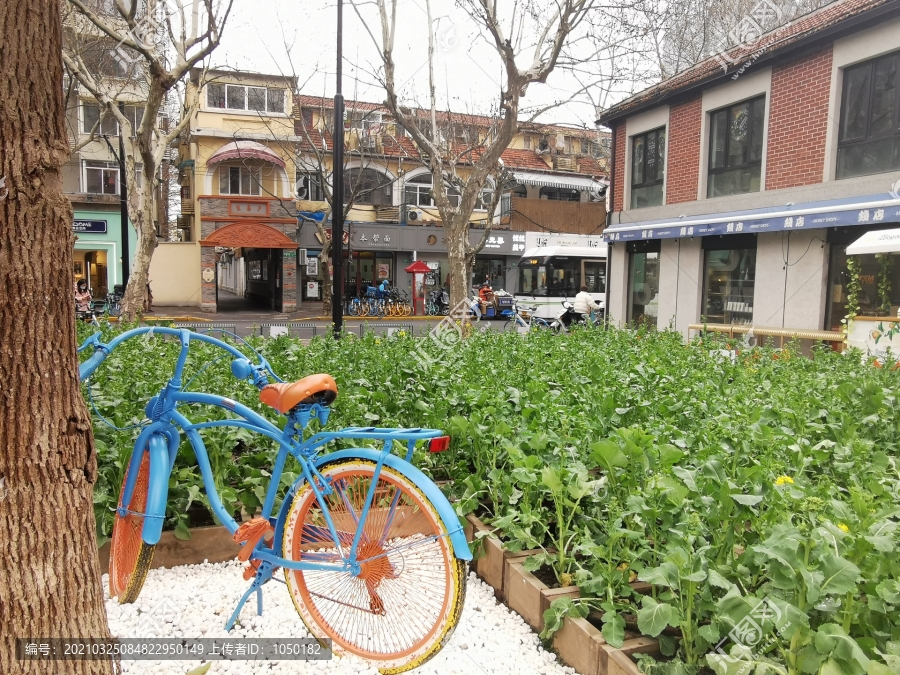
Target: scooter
{"x":569,"y":317}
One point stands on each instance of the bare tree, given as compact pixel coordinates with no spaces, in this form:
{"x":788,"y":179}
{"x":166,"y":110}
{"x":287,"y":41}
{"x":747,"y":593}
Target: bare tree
{"x":115,"y":49}
{"x":48,"y":463}
{"x":532,"y":30}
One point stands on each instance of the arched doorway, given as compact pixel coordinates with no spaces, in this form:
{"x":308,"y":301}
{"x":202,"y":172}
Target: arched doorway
{"x":261,"y":257}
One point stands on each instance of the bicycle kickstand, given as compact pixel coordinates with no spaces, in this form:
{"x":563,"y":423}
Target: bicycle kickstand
{"x":263,"y":575}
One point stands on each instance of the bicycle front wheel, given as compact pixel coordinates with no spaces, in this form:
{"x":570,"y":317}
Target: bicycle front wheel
{"x":407,"y":598}
{"x":129,"y":556}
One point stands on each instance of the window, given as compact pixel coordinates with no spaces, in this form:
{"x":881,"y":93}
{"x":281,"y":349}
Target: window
{"x":367,"y":186}
{"x":870,"y":299}
{"x":526,"y":142}
{"x":648,"y":168}
{"x":239,"y":180}
{"x":109,"y":125}
{"x":730,"y":274}
{"x":736,"y":148}
{"x":643,"y":282}
{"x":570,"y":145}
{"x":560,"y":194}
{"x":869,"y":140}
{"x":363,"y":120}
{"x":102,"y":178}
{"x":308,"y":188}
{"x":241,"y":97}
{"x":585,"y":147}
{"x":418,"y":193}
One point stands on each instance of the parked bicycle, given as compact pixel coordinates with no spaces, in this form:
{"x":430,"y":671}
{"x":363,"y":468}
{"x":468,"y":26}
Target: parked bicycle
{"x":524,"y":319}
{"x":373,"y":554}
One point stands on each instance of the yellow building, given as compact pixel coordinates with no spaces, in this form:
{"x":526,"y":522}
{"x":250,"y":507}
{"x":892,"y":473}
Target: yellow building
{"x":255,"y":163}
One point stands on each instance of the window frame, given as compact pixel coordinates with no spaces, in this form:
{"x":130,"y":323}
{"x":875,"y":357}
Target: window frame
{"x":660,"y":180}
{"x":314,"y":191}
{"x":867,"y":138}
{"x":131,"y":112}
{"x":240,"y":181}
{"x":710,"y":171}
{"x":103,"y":166}
{"x":270,"y":98}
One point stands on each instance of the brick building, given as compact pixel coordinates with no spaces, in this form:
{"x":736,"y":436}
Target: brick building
{"x":738,"y":183}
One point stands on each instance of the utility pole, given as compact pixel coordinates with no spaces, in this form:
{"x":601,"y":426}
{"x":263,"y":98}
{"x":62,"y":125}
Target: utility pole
{"x":337,"y":190}
{"x":123,"y":204}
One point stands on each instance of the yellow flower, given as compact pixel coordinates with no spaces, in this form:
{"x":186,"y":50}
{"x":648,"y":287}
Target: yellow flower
{"x":622,"y":567}
{"x":781,"y":480}
{"x":843,"y":527}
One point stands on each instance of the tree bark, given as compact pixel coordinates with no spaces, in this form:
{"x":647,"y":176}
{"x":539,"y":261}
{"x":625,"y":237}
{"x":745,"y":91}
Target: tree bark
{"x":50,"y":574}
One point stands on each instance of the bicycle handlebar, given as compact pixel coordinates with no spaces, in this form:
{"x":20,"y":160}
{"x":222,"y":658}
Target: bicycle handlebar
{"x":257,"y":372}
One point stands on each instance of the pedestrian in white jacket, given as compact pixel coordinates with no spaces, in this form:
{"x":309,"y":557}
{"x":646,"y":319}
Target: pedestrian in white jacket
{"x":584,"y":303}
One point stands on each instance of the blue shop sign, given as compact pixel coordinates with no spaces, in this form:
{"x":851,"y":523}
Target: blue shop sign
{"x":89,"y":226}
{"x":872,"y":210}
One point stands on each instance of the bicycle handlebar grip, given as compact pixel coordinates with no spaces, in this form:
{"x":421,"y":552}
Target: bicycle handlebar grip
{"x":86,"y":369}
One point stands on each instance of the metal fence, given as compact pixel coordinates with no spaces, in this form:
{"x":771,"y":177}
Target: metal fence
{"x":204,"y":327}
{"x":307,"y":331}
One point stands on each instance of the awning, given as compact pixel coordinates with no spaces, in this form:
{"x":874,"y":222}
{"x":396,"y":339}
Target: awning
{"x":864,"y":210}
{"x":245,"y":150}
{"x":881,"y":241}
{"x":551,"y":180}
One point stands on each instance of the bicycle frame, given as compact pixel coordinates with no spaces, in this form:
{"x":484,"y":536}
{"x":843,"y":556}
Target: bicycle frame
{"x":161,"y":438}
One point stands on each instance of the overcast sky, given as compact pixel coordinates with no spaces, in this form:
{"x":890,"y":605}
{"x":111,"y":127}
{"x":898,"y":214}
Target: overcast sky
{"x":260,"y":33}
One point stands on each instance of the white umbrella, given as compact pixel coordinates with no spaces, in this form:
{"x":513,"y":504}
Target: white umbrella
{"x":880,"y":241}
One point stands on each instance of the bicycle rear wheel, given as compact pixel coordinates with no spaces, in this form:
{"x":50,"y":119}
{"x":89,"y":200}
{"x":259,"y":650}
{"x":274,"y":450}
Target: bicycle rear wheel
{"x":129,"y":556}
{"x":408,"y":597}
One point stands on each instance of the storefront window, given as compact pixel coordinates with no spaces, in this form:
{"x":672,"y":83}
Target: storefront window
{"x":643,"y":283}
{"x":870,"y":300}
{"x":730,"y":275}
{"x":491,"y":270}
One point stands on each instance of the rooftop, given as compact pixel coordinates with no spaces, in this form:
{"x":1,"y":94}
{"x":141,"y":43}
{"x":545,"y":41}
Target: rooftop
{"x":829,"y":21}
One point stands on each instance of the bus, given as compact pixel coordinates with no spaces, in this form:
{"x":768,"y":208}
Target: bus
{"x":550,"y":274}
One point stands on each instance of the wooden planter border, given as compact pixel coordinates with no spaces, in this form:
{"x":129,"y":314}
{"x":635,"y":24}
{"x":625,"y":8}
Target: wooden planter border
{"x":211,"y":544}
{"x":578,"y":642}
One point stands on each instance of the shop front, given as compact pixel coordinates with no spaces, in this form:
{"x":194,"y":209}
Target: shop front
{"x":779,"y":267}
{"x":97,"y":254}
{"x":374,"y":252}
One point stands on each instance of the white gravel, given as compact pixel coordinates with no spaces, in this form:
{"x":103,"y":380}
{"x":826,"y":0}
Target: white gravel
{"x":196,"y":601}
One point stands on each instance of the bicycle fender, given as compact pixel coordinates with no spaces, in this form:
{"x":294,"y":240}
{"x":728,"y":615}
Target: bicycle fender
{"x":445,"y":510}
{"x":157,"y":490}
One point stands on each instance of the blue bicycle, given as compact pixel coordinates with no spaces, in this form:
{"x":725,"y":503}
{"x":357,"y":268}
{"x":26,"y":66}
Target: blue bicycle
{"x":373,"y":554}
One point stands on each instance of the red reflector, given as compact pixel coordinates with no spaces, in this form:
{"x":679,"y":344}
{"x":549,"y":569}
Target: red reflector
{"x":439,"y":444}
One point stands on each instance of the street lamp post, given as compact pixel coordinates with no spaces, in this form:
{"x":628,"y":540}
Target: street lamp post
{"x":123,"y":205}
{"x":337,"y":191}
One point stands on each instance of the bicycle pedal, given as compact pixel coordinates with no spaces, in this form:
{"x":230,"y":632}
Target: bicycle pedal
{"x":249,"y":534}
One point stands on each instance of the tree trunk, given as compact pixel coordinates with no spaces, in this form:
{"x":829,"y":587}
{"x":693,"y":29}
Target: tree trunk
{"x":138,"y":278}
{"x":457,"y":240}
{"x":50,"y":574}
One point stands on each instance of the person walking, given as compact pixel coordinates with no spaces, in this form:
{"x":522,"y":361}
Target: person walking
{"x":82,"y":296}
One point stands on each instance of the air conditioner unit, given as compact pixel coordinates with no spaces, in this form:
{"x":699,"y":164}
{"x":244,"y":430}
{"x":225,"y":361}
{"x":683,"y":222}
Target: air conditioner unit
{"x":413,"y":215}
{"x":301,"y":256}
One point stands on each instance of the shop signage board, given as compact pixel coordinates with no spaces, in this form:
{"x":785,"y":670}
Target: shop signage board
{"x":782,"y":223}
{"x":89,"y":226}
{"x":540,"y":239}
{"x":312,"y":289}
